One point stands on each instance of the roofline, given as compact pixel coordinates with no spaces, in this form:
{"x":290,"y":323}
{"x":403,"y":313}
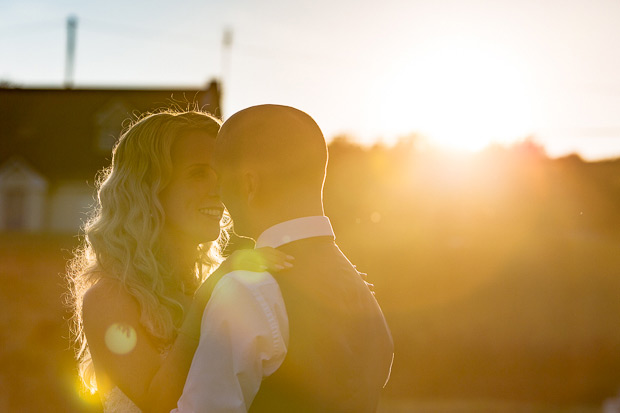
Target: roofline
{"x":110,"y":88}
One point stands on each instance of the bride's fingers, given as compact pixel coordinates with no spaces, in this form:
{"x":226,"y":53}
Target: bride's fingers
{"x":275,"y":259}
{"x":272,"y":253}
{"x":261,"y":259}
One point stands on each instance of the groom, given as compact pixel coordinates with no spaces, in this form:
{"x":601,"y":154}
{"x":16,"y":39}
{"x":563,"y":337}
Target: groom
{"x":311,"y":338}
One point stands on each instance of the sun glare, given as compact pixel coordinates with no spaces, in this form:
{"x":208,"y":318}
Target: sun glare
{"x":460,"y":97}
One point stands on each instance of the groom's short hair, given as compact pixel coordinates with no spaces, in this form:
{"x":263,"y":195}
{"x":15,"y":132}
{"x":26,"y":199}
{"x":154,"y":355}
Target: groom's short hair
{"x":284,"y":143}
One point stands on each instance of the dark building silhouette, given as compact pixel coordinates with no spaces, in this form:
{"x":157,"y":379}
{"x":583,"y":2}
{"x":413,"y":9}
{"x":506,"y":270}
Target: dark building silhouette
{"x":53,"y":142}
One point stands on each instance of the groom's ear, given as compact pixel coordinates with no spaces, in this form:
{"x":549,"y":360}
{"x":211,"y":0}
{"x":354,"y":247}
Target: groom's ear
{"x":251,"y":185}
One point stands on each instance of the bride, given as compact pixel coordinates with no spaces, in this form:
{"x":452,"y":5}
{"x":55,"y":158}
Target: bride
{"x":138,"y":286}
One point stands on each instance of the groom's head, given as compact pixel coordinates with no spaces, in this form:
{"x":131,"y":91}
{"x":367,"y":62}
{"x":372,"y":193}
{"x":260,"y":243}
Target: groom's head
{"x":271,"y":162}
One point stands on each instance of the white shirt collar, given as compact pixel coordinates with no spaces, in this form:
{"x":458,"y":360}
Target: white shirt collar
{"x":294,"y":230}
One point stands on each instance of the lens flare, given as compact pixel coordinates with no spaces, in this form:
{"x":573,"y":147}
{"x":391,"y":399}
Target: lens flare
{"x":121,"y":338}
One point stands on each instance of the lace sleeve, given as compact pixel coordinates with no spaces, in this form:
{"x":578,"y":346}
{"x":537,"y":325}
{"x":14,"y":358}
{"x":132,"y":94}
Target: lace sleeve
{"x":115,"y":401}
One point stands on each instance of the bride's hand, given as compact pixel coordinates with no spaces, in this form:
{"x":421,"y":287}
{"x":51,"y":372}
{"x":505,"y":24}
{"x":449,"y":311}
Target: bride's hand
{"x":257,"y":260}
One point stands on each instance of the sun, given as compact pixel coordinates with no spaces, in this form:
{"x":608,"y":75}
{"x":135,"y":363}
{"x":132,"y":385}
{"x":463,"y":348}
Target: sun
{"x":461,"y":97}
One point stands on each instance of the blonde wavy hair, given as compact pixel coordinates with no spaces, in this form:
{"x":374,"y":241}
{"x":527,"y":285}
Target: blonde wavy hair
{"x":122,"y":236}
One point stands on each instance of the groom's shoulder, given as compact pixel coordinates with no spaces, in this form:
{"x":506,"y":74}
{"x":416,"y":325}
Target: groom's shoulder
{"x":246,"y":291}
{"x":246,"y":285}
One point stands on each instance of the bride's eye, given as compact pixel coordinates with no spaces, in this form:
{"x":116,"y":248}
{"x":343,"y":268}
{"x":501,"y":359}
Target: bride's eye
{"x":198,"y":173}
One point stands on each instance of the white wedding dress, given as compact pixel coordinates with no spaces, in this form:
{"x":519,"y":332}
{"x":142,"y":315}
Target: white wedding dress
{"x":115,"y":401}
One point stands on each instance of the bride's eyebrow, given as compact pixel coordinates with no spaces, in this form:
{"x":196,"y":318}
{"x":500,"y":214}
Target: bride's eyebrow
{"x":197,"y":168}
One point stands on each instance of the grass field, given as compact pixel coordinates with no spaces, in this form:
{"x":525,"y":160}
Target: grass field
{"x":543,"y":336}
{"x":477,"y":406}
{"x":38,"y":370}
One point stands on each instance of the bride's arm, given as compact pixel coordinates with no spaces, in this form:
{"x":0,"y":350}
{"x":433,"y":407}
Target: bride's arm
{"x":124,"y":351}
{"x":125,"y":354}
{"x":167,"y":384}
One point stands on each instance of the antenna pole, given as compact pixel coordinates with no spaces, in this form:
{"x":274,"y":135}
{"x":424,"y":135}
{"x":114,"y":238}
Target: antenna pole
{"x":227,"y":41}
{"x":70,"y":57}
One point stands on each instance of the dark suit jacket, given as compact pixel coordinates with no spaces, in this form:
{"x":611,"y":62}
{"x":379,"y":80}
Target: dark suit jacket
{"x":340,"y":348}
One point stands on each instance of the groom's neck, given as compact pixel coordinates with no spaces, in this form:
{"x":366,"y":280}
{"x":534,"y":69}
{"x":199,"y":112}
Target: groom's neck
{"x":284,"y":212}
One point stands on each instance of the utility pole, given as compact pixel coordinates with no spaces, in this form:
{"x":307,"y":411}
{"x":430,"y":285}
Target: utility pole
{"x":227,"y":41}
{"x":70,"y":57}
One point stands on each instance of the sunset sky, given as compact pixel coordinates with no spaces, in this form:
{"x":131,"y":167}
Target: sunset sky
{"x":462,"y":73}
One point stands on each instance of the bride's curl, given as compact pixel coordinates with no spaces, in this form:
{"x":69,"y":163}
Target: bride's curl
{"x":122,"y":238}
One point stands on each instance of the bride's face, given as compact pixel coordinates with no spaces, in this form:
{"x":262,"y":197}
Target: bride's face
{"x":191,"y":204}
